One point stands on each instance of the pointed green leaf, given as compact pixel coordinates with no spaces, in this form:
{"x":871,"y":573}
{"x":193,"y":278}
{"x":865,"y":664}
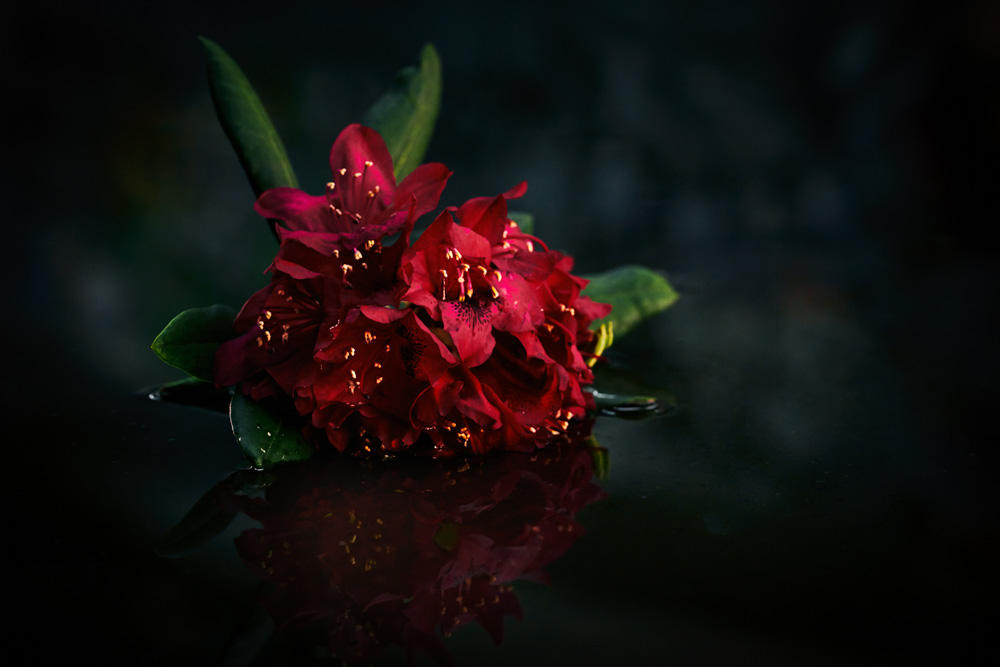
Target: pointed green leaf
{"x":191,"y":391}
{"x":246,"y":123}
{"x":189,"y":341}
{"x":525,"y":221}
{"x":266,"y":435}
{"x":634,"y":293}
{"x":406,"y":113}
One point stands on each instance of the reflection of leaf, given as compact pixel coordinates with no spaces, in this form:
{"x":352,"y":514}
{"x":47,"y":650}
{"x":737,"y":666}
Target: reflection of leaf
{"x":189,"y":341}
{"x":204,"y":520}
{"x":207,"y":518}
{"x":525,"y":221}
{"x":629,"y":407}
{"x":266,"y":436}
{"x":246,"y":123}
{"x":447,"y":535}
{"x":406,"y":113}
{"x":599,"y":457}
{"x":634,"y":293}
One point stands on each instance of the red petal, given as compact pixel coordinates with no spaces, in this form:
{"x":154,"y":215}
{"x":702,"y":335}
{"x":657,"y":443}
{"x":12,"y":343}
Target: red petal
{"x":517,"y":191}
{"x":486,"y":216}
{"x":424,"y":186}
{"x":355,"y":146}
{"x":298,"y":210}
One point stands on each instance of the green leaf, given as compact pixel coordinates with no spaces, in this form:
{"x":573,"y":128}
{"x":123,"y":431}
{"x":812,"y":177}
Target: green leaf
{"x":525,"y":221}
{"x":406,"y":113}
{"x":189,"y":341}
{"x":246,"y":123}
{"x":634,"y":293}
{"x":267,"y":435}
{"x":192,"y":391}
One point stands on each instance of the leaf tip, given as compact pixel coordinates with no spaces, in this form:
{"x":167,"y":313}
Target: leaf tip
{"x":430,"y":55}
{"x":208,"y":44}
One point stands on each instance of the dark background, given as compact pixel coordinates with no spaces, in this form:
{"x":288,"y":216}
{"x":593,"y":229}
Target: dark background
{"x":817,"y":179}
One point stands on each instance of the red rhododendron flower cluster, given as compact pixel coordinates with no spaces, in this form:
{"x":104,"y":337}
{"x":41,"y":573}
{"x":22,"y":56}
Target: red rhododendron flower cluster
{"x":401,"y":555}
{"x":473,"y":335}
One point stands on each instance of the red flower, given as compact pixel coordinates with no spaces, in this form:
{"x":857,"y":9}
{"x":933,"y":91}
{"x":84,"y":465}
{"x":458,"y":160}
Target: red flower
{"x":377,"y":363}
{"x":362,"y":202}
{"x":331,"y":259}
{"x":471,"y":338}
{"x":278,"y":331}
{"x":517,"y":321}
{"x":461,"y":275}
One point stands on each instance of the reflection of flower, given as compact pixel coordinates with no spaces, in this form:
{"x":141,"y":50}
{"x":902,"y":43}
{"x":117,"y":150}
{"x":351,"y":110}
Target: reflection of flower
{"x":394,"y":555}
{"x":474,"y":334}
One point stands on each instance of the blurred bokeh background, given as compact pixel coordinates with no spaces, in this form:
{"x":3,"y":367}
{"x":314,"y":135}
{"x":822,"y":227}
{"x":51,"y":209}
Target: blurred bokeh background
{"x":817,"y":179}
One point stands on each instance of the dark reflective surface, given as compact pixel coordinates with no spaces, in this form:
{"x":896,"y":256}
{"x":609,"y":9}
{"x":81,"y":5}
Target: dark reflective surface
{"x":402,"y":552}
{"x":815,"y":180}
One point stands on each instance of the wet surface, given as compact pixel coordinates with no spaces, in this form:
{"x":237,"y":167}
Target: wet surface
{"x":820,"y":490}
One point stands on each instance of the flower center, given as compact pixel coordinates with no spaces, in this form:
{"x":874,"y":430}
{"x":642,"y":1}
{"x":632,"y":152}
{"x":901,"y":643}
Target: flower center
{"x":349,"y":197}
{"x":458,"y":280}
{"x":289,"y":311}
{"x":355,"y":267}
